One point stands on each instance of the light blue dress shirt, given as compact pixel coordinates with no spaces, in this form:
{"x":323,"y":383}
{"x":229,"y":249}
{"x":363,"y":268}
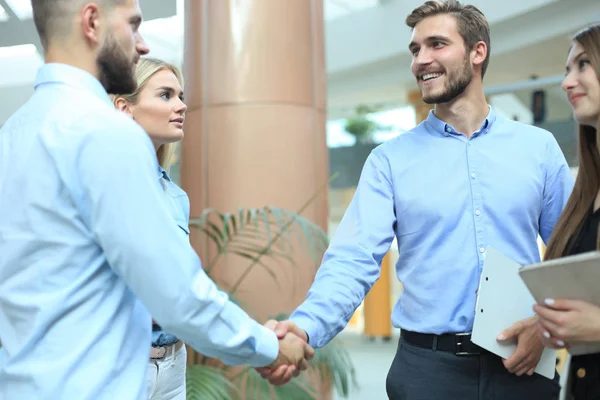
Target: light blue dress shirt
{"x":85,"y":234}
{"x":179,"y":206}
{"x":446,"y":198}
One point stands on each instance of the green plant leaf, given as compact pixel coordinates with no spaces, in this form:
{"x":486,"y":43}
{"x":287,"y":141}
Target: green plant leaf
{"x":252,"y":234}
{"x":334,"y":362}
{"x":256,"y":388}
{"x":204,"y":382}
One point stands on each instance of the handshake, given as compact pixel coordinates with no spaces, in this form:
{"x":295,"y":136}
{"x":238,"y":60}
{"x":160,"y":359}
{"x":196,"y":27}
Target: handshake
{"x":294,"y":353}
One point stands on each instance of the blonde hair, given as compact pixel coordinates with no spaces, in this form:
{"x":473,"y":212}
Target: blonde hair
{"x":146,"y":68}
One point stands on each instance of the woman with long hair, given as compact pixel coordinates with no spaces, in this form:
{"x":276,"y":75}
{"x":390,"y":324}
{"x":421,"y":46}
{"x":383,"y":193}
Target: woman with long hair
{"x":157,"y":106}
{"x":563,"y":321}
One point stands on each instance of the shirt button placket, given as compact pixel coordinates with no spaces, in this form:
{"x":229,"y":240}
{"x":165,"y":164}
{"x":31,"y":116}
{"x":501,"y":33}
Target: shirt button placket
{"x":477,"y":206}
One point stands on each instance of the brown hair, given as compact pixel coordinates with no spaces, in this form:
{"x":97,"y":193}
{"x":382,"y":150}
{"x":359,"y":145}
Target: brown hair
{"x":472,"y":24}
{"x":588,"y":176}
{"x":145,"y":69}
{"x":52,"y":18}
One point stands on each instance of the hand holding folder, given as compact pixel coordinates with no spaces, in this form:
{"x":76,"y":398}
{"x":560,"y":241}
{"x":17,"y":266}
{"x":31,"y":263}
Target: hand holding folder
{"x":574,"y":277}
{"x":502,"y":300}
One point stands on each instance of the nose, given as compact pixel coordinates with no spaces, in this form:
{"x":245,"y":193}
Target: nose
{"x":141,"y":46}
{"x":181,"y":107}
{"x":568,"y":83}
{"x":423,"y":57}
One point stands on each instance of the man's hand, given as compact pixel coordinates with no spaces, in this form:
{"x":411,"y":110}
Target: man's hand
{"x":529,"y":346}
{"x":292,"y":351}
{"x":563,"y":322}
{"x":283,"y":373}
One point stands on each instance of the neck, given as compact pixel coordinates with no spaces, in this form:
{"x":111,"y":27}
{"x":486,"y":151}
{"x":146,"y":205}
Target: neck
{"x":73,"y":54}
{"x":466,"y":112}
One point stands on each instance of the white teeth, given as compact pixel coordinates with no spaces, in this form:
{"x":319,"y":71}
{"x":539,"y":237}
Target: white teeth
{"x":427,"y":77}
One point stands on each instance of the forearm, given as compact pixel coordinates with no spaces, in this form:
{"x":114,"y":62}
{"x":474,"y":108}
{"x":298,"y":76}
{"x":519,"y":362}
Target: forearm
{"x":333,"y":298}
{"x":214,"y":326}
{"x":144,"y":246}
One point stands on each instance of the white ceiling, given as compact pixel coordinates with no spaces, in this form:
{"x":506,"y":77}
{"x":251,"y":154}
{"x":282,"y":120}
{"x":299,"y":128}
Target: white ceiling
{"x":365,"y":41}
{"x":340,"y":8}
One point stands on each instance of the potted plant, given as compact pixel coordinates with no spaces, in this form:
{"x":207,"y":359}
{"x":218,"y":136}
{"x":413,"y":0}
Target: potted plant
{"x":259,"y":235}
{"x":361,"y":126}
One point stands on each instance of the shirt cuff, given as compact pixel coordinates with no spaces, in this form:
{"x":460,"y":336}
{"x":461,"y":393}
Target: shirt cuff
{"x":267,"y":348}
{"x":308,"y":326}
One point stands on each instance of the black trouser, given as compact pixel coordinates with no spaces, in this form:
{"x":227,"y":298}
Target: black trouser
{"x":419,"y":373}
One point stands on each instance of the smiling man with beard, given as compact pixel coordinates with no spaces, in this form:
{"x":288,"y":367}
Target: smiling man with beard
{"x":464,"y":179}
{"x":88,"y":247}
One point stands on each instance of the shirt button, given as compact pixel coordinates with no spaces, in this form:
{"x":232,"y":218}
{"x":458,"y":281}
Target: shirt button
{"x":581,"y":373}
{"x":477,"y":212}
{"x":481,"y":250}
{"x":473,"y":175}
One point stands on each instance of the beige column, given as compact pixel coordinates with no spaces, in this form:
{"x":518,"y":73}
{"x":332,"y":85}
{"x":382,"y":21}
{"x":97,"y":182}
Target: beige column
{"x":255,"y":85}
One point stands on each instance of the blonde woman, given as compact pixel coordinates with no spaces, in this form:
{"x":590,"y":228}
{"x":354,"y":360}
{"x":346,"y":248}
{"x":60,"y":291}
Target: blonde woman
{"x":157,"y":106}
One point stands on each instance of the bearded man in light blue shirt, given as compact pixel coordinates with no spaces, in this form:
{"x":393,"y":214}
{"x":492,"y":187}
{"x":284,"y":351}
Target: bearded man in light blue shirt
{"x":463,"y":180}
{"x":85,"y":233}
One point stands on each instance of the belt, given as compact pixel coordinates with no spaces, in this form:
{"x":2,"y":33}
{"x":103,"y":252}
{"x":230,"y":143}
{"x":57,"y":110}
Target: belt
{"x":160,"y":352}
{"x":457,"y":343}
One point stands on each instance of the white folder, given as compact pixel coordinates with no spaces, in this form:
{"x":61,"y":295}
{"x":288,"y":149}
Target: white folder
{"x":502,"y":300}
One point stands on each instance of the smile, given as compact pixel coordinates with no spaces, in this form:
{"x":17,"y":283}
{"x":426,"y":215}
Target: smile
{"x":430,"y":76}
{"x":575,"y":98}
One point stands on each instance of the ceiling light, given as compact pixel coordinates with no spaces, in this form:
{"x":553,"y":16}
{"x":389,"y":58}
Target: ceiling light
{"x":21,"y":8}
{"x":3,"y":15}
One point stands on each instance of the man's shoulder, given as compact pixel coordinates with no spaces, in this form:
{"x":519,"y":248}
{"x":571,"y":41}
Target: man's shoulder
{"x":99,"y":122}
{"x":528,"y":131}
{"x":404,"y":142}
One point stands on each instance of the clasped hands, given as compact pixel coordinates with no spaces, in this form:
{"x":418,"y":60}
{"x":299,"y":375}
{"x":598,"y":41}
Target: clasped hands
{"x":294,"y":353}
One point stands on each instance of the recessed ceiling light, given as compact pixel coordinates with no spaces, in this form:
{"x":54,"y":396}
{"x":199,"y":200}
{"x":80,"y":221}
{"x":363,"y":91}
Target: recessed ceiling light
{"x":3,"y":15}
{"x":21,"y":8}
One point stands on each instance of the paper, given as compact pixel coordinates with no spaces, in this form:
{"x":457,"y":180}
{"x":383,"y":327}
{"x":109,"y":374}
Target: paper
{"x":572,"y":277}
{"x":502,"y":300}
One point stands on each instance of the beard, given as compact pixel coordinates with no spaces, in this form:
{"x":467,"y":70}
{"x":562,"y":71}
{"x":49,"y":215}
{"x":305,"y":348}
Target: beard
{"x":456,"y":84}
{"x":116,"y":68}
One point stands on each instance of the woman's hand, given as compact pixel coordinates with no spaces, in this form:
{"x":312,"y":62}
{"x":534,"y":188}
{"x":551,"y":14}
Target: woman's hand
{"x":564,"y":322}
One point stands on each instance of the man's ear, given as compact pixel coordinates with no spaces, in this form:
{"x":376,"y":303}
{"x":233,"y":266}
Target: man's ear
{"x":91,"y":23}
{"x":479,"y":53}
{"x":123,"y":105}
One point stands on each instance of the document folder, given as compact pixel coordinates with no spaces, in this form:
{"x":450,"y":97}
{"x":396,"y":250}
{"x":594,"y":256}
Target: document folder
{"x":502,"y":300}
{"x":572,"y":277}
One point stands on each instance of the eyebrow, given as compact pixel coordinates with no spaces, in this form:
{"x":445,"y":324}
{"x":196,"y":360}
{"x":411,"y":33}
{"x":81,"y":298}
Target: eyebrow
{"x":168,"y":89}
{"x":434,"y":38}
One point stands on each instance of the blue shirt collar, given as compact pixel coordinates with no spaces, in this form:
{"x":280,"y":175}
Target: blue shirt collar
{"x":162,"y":173}
{"x":71,"y":76}
{"x":446,"y":129}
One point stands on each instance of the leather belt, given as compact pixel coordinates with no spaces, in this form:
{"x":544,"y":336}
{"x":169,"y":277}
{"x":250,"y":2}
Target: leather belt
{"x":157,"y":353}
{"x":457,"y":343}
